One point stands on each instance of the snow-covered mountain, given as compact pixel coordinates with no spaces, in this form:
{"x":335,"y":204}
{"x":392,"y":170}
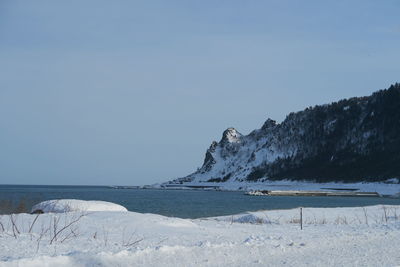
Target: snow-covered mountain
{"x":356,"y":139}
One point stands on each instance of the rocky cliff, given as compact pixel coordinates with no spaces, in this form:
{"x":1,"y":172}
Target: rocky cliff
{"x":356,"y":139}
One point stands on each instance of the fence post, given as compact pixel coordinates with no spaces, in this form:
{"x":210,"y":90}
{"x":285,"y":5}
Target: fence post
{"x":301,"y":218}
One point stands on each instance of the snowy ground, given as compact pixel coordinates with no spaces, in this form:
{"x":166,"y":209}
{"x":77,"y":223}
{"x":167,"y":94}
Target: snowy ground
{"x":331,"y":237}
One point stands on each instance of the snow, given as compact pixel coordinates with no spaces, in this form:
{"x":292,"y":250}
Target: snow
{"x":68,"y":205}
{"x":232,"y":136}
{"x":330,"y":237}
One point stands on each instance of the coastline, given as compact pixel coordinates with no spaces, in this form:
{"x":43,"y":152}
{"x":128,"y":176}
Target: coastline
{"x":382,"y":188}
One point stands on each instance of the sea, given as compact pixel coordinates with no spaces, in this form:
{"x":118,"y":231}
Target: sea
{"x":175,"y":203}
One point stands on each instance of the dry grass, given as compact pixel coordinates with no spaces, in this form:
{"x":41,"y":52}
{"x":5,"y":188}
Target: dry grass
{"x":341,"y":220}
{"x":294,"y":220}
{"x":58,"y":228}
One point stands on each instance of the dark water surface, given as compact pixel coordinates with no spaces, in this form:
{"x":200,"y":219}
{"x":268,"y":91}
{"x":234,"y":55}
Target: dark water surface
{"x":178,"y":203}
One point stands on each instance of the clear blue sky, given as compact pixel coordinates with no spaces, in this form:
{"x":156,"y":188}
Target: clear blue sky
{"x":133,"y":92}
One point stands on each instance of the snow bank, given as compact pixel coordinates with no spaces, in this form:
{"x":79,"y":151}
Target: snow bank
{"x":358,"y":236}
{"x":68,"y":205}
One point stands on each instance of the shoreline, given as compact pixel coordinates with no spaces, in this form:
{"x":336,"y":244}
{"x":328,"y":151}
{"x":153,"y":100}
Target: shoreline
{"x":386,"y":189}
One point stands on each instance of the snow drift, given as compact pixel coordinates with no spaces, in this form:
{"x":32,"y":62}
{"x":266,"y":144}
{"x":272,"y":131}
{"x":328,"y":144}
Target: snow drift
{"x":358,"y":236}
{"x":69,"y":205}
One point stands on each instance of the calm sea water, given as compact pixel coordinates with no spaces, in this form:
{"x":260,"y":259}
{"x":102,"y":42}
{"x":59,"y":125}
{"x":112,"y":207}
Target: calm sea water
{"x":179,"y":203}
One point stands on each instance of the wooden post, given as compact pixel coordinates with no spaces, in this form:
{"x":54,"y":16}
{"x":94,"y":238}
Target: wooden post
{"x":301,"y":218}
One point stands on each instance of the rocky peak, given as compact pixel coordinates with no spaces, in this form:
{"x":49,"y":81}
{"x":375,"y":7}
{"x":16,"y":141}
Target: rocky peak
{"x":268,"y":124}
{"x":230,"y":135}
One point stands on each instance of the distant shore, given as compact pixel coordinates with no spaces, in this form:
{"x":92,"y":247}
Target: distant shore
{"x":382,"y":188}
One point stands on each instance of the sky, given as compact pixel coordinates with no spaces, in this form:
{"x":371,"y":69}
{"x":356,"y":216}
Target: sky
{"x":133,"y":92}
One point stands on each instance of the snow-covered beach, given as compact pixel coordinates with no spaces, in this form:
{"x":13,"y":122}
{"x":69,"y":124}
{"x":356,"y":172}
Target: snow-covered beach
{"x":330,"y":237}
{"x":388,"y":188}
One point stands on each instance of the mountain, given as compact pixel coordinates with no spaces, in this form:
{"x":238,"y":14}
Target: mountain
{"x":352,"y":140}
